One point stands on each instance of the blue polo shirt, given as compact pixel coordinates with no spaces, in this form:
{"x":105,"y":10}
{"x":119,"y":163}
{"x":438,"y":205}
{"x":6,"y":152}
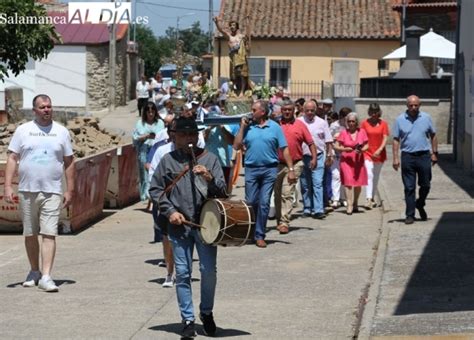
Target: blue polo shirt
{"x":262,"y":144}
{"x":413,"y":133}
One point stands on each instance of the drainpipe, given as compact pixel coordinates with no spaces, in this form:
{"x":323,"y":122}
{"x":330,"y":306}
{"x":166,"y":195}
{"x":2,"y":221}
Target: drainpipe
{"x":219,"y":55}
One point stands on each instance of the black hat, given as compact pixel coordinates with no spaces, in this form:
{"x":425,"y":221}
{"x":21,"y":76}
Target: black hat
{"x":186,"y":125}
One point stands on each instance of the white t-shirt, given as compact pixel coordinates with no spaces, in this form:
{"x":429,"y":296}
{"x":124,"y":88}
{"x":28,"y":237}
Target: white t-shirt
{"x":41,"y":151}
{"x":142,"y":89}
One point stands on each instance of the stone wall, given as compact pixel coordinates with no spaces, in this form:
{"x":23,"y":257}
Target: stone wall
{"x":98,"y":75}
{"x":391,"y":109}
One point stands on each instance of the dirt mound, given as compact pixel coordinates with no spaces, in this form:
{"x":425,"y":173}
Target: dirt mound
{"x":86,"y":135}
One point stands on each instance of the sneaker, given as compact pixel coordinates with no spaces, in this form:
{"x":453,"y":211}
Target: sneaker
{"x":409,"y":220}
{"x":162,"y":264}
{"x":344,"y":203}
{"x":368,"y":204}
{"x":208,"y":324}
{"x":169,"y":282}
{"x":188,"y":330}
{"x":32,"y":279}
{"x":47,"y":284}
{"x":335,"y":204}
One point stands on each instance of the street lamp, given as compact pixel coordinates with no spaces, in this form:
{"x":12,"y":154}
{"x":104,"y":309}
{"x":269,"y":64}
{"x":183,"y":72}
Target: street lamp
{"x":177,"y":23}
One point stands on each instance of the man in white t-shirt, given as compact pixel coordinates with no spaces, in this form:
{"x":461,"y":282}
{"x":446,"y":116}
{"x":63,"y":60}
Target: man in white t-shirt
{"x":44,"y":152}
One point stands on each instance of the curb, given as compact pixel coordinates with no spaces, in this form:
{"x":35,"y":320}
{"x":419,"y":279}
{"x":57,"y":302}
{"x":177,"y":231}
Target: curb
{"x":377,"y":270}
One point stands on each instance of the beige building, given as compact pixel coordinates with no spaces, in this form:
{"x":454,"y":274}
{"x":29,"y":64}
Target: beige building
{"x":302,"y":43}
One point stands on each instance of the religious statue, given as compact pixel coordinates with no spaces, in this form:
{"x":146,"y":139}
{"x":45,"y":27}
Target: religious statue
{"x":239,"y":50}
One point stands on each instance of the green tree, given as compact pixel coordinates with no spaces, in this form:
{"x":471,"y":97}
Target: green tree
{"x":20,"y":41}
{"x":152,"y":49}
{"x":195,"y":40}
{"x":149,"y":50}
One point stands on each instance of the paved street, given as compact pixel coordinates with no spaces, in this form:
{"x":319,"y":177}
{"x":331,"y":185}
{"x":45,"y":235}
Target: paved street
{"x":313,"y":283}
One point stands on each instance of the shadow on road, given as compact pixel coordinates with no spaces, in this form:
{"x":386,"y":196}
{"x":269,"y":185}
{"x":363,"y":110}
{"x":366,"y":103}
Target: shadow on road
{"x":58,"y":283}
{"x":443,"y":278}
{"x":463,"y":180}
{"x":176,"y":328}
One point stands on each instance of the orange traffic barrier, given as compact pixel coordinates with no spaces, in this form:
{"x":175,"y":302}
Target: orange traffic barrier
{"x":122,"y":185}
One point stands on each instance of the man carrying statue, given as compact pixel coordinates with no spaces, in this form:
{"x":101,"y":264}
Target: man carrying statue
{"x":239,"y":49}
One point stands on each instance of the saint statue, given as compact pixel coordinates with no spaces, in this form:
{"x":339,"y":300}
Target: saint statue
{"x":239,"y":50}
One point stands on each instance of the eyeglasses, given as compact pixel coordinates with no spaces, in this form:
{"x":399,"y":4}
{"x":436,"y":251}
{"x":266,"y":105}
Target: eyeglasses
{"x":351,"y":121}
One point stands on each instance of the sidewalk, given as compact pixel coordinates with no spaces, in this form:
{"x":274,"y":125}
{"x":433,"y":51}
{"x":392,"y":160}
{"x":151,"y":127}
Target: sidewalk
{"x":423,"y":278}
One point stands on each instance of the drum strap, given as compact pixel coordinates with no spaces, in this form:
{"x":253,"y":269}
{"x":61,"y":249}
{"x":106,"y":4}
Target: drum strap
{"x":173,"y":183}
{"x":180,"y":175}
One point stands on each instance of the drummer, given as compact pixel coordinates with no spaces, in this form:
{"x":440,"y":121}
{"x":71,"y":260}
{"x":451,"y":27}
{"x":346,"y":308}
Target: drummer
{"x":184,"y":179}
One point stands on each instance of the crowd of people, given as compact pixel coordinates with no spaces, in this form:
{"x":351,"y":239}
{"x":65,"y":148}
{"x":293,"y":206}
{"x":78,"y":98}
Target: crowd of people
{"x":332,"y":154}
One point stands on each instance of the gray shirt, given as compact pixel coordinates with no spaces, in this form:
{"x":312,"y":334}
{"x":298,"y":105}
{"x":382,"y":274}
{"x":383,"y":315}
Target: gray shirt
{"x":189,"y":194}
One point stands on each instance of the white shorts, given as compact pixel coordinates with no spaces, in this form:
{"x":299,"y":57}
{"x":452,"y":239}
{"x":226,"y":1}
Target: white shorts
{"x":40,"y":213}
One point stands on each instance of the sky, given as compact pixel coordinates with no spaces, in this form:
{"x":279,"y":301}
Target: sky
{"x":164,"y":13}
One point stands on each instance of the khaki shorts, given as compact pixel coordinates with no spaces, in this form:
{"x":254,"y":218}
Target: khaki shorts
{"x":40,"y":213}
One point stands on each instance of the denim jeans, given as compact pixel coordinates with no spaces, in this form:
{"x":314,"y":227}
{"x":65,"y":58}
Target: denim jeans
{"x":413,"y":166}
{"x":312,"y":185}
{"x":183,"y":248}
{"x":259,"y":184}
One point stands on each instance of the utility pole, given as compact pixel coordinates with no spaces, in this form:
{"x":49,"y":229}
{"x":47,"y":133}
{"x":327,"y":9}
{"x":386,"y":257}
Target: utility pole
{"x":211,"y":26}
{"x":112,"y":65}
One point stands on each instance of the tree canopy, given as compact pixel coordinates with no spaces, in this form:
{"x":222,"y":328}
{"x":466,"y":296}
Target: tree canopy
{"x":20,"y":41}
{"x":151,"y":48}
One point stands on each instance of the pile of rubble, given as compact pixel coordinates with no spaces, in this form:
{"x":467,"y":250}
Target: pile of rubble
{"x":86,"y":135}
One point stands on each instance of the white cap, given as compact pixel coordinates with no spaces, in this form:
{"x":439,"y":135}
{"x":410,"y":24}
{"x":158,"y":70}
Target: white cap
{"x":327,"y":101}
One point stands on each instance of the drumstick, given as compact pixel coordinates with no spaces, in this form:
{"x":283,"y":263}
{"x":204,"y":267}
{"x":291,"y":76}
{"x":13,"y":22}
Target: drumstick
{"x":194,"y":224}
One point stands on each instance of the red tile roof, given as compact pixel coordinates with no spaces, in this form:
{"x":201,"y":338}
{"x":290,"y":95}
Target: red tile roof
{"x":428,"y":4}
{"x":85,"y":34}
{"x":315,"y":19}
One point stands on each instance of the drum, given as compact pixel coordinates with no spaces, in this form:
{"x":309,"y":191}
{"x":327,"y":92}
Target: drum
{"x":226,"y":223}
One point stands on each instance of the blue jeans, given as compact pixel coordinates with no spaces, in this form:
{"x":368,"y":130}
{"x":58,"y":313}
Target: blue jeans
{"x":412,"y":166}
{"x":311,"y":182}
{"x":183,"y":248}
{"x":259,"y":184}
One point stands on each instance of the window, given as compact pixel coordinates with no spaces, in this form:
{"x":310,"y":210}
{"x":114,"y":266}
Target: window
{"x":257,"y":69}
{"x":280,"y":72}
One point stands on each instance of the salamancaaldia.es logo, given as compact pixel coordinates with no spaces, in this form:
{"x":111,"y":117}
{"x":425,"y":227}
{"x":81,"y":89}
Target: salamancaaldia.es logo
{"x":118,"y":12}
{"x":102,"y":13}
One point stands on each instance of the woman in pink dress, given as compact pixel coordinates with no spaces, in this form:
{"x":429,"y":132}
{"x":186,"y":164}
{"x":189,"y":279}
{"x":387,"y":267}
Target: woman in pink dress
{"x":352,"y":142}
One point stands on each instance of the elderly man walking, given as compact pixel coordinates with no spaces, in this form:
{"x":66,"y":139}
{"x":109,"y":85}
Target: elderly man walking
{"x":312,"y":178}
{"x":43,"y":149}
{"x":296,"y":134}
{"x":415,"y":135}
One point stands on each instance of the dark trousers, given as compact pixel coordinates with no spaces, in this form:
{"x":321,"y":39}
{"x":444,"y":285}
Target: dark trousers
{"x":141,"y":103}
{"x":413,"y":165}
